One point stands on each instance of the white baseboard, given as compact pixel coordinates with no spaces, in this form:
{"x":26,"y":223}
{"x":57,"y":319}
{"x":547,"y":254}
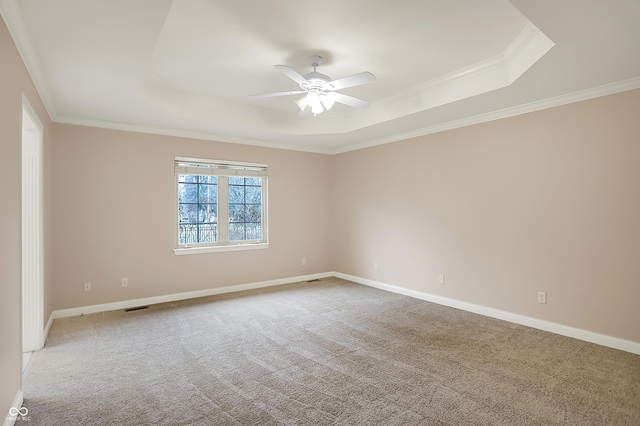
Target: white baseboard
{"x":10,"y":419}
{"x":62,"y":313}
{"x":46,"y":330}
{"x":588,"y":336}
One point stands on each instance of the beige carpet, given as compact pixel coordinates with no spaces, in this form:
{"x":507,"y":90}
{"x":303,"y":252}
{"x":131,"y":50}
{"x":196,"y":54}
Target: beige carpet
{"x":322,"y":353}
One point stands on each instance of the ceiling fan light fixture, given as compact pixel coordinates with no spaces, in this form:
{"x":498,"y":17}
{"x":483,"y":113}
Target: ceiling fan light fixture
{"x":302,"y":103}
{"x":313,"y":100}
{"x":327,"y":100}
{"x":317,"y":109}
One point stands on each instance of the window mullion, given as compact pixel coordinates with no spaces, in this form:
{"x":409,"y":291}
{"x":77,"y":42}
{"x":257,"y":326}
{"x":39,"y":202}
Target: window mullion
{"x":223,"y":208}
{"x":198,"y":210}
{"x":263,"y":208}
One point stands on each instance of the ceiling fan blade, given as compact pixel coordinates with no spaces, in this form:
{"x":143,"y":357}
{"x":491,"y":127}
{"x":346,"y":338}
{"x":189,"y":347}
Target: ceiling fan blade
{"x":350,"y":81}
{"x":352,"y":101}
{"x":292,"y":74}
{"x":273,"y":95}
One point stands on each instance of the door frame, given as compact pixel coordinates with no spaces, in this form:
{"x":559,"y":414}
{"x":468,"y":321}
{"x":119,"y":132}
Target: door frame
{"x":32,"y":230}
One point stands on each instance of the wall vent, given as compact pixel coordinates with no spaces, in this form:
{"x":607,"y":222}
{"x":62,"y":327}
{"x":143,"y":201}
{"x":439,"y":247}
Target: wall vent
{"x":137,"y":308}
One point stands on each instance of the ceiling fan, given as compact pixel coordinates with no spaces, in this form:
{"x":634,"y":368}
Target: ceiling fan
{"x":319,"y":90}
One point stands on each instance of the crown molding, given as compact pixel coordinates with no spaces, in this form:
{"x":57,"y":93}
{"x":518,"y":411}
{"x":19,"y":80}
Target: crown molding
{"x":490,"y":74}
{"x":12,"y":16}
{"x":10,"y":11}
{"x":583,"y":95}
{"x":481,"y":77}
{"x":112,"y":125}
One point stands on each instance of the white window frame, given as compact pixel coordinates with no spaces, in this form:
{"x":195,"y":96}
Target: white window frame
{"x":223,"y":170}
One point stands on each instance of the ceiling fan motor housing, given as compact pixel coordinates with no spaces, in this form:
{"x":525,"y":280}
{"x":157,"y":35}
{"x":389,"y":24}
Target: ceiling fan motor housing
{"x":316,"y":80}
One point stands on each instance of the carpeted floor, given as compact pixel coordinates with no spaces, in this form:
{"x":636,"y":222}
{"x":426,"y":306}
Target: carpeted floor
{"x":323,"y":353}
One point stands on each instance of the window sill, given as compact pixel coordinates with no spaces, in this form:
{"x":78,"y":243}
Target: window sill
{"x":179,"y":251}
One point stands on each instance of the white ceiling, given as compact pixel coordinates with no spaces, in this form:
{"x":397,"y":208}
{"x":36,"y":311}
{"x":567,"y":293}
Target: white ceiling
{"x":187,"y":67}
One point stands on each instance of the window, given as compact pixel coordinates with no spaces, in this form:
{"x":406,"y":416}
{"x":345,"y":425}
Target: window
{"x":197,"y":209}
{"x":245,"y":208}
{"x":221,"y":205}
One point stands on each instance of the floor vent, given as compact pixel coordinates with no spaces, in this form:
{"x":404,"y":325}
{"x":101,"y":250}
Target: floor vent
{"x":313,"y":281}
{"x":137,"y":308}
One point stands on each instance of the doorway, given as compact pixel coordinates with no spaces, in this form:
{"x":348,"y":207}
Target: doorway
{"x":32,"y":234}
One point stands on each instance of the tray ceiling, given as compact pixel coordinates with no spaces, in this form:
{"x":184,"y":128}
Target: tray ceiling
{"x":188,"y":67}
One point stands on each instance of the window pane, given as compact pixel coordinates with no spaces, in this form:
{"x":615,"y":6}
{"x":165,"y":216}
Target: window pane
{"x":236,"y":194}
{"x":253,"y":194}
{"x":245,"y":208}
{"x":208,"y":213}
{"x":253,"y":181}
{"x":208,"y":179}
{"x":253,"y":231}
{"x":208,"y":233}
{"x":252,"y":213}
{"x":197,"y":209}
{"x":236,"y":231}
{"x":188,"y":233}
{"x":188,"y":178}
{"x":191,"y":233}
{"x":208,"y":193}
{"x":188,"y":192}
{"x":188,"y":213}
{"x":236,"y":213}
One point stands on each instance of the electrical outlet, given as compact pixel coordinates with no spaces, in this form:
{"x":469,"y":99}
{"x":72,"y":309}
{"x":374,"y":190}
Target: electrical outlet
{"x":542,"y":297}
{"x":87,"y":286}
{"x":125,"y":282}
{"x":375,"y":267}
{"x":304,"y":261}
{"x":441,"y":278}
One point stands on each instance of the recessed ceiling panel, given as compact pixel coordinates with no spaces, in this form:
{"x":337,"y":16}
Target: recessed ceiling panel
{"x":190,"y":65}
{"x":424,"y":54}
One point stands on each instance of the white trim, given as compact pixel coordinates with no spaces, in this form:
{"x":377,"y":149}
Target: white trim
{"x":17,"y":403}
{"x":528,"y":33}
{"x":530,"y":45}
{"x":588,"y":336}
{"x":219,"y":162}
{"x":188,"y":134}
{"x":583,"y":95}
{"x":63,"y":313}
{"x":182,"y":250}
{"x":46,"y":329}
{"x":18,"y":31}
{"x":32,"y":112}
{"x":482,"y":77}
{"x":32,"y":228}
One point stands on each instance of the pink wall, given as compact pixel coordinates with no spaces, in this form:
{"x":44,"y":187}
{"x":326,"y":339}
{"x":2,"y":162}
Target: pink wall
{"x":14,"y":80}
{"x":114,"y":214}
{"x":547,"y":201}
